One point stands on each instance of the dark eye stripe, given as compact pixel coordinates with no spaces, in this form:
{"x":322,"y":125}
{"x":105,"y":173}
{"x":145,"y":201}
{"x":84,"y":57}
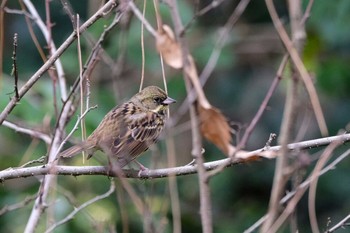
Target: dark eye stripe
{"x":159,"y":100}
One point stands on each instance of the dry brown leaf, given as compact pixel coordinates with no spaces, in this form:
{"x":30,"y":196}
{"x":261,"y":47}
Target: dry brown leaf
{"x":215,"y":128}
{"x":214,"y":125}
{"x":168,"y":47}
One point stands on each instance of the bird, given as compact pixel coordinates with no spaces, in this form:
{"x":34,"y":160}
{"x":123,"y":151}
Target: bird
{"x":128,"y":129}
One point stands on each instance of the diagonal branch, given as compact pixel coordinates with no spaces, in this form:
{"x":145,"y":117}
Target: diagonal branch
{"x":299,"y":66}
{"x":100,"y":13}
{"x":31,"y":132}
{"x":86,"y":204}
{"x":40,"y":203}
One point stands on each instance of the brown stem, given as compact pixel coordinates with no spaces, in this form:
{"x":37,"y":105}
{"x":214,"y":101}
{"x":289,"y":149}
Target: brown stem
{"x":11,"y":105}
{"x":205,"y":204}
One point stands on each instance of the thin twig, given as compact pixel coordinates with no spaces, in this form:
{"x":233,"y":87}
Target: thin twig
{"x":203,"y":11}
{"x":305,"y":184}
{"x":91,"y":62}
{"x":2,"y":37}
{"x":256,"y":225}
{"x":143,"y":47}
{"x":14,"y":65}
{"x":40,"y":203}
{"x":340,"y":224}
{"x":299,"y":66}
{"x":288,"y":121}
{"x":29,"y":18}
{"x":259,"y":113}
{"x":19,"y":12}
{"x":100,"y":13}
{"x":170,"y":146}
{"x":46,"y":31}
{"x":39,"y":160}
{"x":264,"y":103}
{"x":81,"y":87}
{"x":307,"y":12}
{"x":69,"y":11}
{"x":77,"y":209}
{"x":75,"y":127}
{"x":173,"y":188}
{"x":141,"y":207}
{"x":52,"y":73}
{"x":33,"y":133}
{"x":213,"y":59}
{"x":325,"y":157}
{"x":9,"y":208}
{"x":203,"y":179}
{"x":300,"y":191}
{"x":141,"y":18}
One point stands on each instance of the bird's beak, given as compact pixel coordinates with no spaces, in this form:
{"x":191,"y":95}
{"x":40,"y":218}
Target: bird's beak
{"x":168,"y":101}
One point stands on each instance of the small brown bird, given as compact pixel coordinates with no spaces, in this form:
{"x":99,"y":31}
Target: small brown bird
{"x":129,"y":129}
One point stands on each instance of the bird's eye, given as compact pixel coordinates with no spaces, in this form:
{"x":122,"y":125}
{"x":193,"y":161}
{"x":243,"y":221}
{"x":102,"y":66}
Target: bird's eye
{"x":157,"y":100}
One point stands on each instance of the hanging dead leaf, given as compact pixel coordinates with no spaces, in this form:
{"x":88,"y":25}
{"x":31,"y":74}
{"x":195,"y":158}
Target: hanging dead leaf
{"x":215,"y":128}
{"x":168,"y":47}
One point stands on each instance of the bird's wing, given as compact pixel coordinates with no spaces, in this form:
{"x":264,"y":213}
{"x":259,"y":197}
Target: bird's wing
{"x":134,"y":132}
{"x":145,"y":126}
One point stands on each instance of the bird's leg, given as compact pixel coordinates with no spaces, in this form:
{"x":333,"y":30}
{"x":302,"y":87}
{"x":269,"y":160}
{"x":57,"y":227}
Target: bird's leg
{"x":141,"y":166}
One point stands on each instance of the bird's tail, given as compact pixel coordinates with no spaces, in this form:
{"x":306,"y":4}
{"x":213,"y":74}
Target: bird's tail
{"x":71,"y":151}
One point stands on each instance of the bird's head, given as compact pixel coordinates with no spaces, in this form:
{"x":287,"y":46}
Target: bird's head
{"x":154,"y":99}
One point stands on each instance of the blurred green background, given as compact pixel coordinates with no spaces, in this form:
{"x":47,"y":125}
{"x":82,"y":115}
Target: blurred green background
{"x":245,"y":70}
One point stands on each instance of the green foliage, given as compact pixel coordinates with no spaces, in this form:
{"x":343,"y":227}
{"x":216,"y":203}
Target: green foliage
{"x":334,"y":76}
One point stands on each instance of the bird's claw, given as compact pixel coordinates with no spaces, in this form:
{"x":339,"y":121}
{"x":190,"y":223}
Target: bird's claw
{"x":191,"y":163}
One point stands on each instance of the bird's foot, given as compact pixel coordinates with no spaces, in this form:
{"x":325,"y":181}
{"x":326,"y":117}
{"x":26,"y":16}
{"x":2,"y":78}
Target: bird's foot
{"x":192,"y":163}
{"x":142,"y":168}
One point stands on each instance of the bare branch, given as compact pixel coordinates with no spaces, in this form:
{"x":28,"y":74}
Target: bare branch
{"x":34,"y":133}
{"x":302,"y":186}
{"x":75,"y":127}
{"x":14,"y":173}
{"x":40,"y":203}
{"x":141,"y":18}
{"x":9,"y":208}
{"x":46,"y":31}
{"x":300,"y":191}
{"x":289,"y":114}
{"x":14,"y":65}
{"x":342,"y":223}
{"x":299,"y":66}
{"x":214,"y":57}
{"x":203,"y":178}
{"x":86,"y":204}
{"x":100,"y":13}
{"x":206,"y":9}
{"x":19,"y":12}
{"x":264,"y":103}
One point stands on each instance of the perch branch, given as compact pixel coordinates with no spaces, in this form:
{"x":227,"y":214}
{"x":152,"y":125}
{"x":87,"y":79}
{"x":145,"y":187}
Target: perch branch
{"x":14,"y":173}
